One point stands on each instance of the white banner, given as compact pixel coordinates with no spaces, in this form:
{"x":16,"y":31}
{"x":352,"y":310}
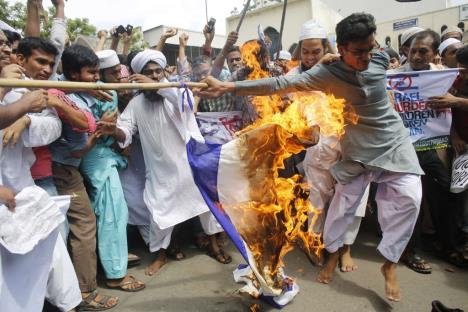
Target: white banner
{"x":219,"y":127}
{"x":429,"y":128}
{"x":460,"y":174}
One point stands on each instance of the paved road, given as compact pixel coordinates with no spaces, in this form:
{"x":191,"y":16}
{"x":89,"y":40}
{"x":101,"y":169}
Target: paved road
{"x":199,"y":283}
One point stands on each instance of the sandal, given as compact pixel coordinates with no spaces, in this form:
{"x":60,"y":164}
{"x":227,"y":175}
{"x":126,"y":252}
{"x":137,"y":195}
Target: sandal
{"x":133,"y":260}
{"x":457,"y":259}
{"x":91,"y":304}
{"x":220,"y":256}
{"x":131,"y":284}
{"x":417,"y":264}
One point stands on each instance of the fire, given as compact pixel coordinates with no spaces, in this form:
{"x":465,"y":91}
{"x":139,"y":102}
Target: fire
{"x":276,"y":217}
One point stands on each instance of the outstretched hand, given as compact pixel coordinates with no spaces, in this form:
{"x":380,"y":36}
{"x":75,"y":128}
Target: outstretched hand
{"x":215,"y":88}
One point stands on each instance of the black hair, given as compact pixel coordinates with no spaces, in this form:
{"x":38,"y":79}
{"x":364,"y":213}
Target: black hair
{"x":12,"y":36}
{"x":201,"y":59}
{"x":461,"y":25}
{"x":75,"y":57}
{"x":462,"y":55}
{"x":356,"y":27}
{"x":27,"y":45}
{"x":130,"y":58}
{"x":442,"y":28}
{"x":428,"y":33}
{"x":392,"y":53}
{"x":233,"y":49}
{"x":122,"y":59}
{"x":292,"y":48}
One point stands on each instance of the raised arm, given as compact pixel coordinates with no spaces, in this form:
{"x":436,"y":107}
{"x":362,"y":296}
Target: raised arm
{"x":102,"y":35}
{"x":126,"y":38}
{"x":58,"y":32}
{"x":171,"y":32}
{"x":33,"y":22}
{"x":209,"y":36}
{"x":221,"y":57}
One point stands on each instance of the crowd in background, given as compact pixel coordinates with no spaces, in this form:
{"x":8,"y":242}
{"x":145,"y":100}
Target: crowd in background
{"x":119,"y":152}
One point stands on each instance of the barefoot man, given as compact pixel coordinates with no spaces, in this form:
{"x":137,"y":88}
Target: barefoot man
{"x":377,"y":148}
{"x":164,"y":128}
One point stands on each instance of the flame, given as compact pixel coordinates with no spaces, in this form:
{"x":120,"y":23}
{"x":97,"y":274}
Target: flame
{"x":275,"y":218}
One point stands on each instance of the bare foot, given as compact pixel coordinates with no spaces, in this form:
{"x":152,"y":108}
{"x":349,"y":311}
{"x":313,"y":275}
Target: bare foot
{"x":392,"y":290}
{"x":157,"y":264}
{"x":346,"y":261}
{"x":326,"y":274}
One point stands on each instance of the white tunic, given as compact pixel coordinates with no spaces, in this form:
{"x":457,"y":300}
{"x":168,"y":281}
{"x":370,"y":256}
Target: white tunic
{"x":16,"y":160}
{"x":170,"y":191}
{"x":46,"y":271}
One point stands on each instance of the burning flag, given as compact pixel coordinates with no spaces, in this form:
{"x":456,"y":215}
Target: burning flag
{"x":264,"y":214}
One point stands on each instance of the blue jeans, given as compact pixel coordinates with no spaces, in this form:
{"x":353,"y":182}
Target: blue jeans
{"x":48,"y":185}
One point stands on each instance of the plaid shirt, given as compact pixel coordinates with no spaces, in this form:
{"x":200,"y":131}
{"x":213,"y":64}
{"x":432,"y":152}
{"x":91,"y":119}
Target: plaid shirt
{"x":225,"y":103}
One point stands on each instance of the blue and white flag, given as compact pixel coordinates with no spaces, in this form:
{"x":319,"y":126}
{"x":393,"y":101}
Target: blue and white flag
{"x":234,"y":178}
{"x":429,"y":128}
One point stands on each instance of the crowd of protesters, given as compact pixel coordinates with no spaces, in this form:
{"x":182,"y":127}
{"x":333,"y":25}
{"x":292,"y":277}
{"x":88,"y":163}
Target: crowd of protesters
{"x":121,"y":154}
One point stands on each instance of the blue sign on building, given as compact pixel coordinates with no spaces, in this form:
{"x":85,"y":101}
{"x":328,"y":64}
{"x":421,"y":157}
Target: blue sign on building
{"x":405,"y":24}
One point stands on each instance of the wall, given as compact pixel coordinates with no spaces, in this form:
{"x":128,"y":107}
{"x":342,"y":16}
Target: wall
{"x":433,"y":20}
{"x":386,"y":10}
{"x":298,"y":11}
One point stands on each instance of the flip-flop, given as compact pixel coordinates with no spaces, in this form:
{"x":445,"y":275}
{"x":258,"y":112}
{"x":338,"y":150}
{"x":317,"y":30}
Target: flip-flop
{"x":414,"y":262}
{"x":91,"y":304}
{"x":133,"y":260}
{"x":131,"y":281}
{"x":220,"y":256}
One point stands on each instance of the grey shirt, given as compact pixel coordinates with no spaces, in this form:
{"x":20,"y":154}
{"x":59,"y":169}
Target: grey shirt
{"x":379,"y":140}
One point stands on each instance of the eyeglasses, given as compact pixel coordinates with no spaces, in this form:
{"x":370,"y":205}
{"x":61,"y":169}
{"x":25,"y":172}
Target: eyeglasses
{"x":4,"y":43}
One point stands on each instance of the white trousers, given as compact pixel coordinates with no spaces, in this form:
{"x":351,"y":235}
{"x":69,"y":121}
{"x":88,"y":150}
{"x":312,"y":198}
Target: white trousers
{"x":398,"y":200}
{"x":317,"y":163}
{"x":157,"y":238}
{"x":63,"y":290}
{"x":44,"y":272}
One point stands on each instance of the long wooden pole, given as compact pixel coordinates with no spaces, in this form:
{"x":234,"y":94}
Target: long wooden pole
{"x":283,"y":17}
{"x":71,"y":85}
{"x":244,"y":11}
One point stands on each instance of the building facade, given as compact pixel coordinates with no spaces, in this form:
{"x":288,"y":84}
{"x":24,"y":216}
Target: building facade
{"x":268,"y":14}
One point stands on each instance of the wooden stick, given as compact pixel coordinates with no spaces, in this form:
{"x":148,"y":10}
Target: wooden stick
{"x":283,"y":17}
{"x":244,"y":11}
{"x":72,"y":85}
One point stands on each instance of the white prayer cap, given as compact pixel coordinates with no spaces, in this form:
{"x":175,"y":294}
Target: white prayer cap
{"x":410,"y":32}
{"x":451,"y":29}
{"x":312,"y":30}
{"x":146,"y":56}
{"x":446,"y":43}
{"x":284,"y":55}
{"x":5,"y":26}
{"x":107,"y":58}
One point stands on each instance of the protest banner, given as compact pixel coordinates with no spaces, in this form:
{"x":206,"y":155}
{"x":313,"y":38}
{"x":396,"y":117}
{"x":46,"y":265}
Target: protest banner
{"x":429,"y":128}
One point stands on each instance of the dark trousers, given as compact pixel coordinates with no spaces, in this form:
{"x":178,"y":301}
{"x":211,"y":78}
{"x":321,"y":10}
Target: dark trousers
{"x":442,"y":203}
{"x":82,"y":222}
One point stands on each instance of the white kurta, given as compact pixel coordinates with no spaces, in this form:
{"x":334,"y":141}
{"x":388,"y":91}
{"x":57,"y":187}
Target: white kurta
{"x":47,"y":270}
{"x":16,"y":160}
{"x":133,"y":181}
{"x":170,"y":194}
